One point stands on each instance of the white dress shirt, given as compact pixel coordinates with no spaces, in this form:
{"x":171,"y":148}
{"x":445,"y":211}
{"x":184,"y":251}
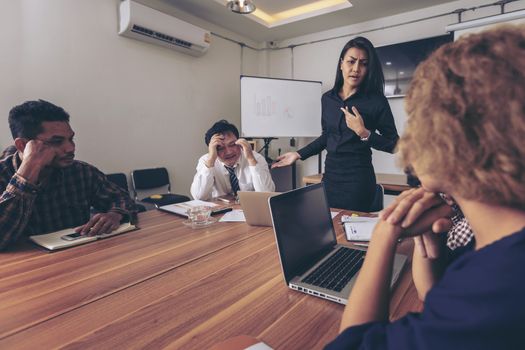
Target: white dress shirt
{"x":214,"y":182}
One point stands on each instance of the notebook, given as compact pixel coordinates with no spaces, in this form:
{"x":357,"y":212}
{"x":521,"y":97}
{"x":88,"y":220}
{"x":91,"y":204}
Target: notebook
{"x":311,"y":260}
{"x":255,"y":207}
{"x":69,"y":238}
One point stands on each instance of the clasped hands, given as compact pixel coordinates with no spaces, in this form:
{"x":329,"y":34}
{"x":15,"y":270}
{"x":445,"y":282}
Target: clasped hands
{"x":420,"y":214}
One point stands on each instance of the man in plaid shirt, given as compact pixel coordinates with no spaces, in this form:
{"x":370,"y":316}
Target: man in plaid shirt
{"x":43,"y":189}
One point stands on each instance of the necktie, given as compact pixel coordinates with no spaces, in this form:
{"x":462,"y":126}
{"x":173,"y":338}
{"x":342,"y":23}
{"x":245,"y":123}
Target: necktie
{"x":233,"y":180}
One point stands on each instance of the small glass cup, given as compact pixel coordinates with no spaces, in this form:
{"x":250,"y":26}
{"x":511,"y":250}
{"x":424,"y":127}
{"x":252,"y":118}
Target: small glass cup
{"x":199,"y":215}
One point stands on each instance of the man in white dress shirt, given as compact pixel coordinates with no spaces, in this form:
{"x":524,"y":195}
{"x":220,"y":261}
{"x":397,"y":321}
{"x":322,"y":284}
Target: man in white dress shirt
{"x":229,"y":166}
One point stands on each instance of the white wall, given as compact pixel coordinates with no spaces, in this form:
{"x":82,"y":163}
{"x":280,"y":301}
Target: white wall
{"x":132,"y":104}
{"x":137,"y":105}
{"x":318,"y":61}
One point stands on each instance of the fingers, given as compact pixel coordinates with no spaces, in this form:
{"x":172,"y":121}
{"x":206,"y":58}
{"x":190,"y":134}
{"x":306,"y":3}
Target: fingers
{"x":241,"y":142}
{"x":347,"y":112}
{"x":403,"y":204}
{"x":217,"y":139}
{"x":385,"y":213}
{"x":410,"y":206}
{"x":427,"y":201}
{"x":99,"y":224}
{"x":442,"y":225}
{"x":285,"y":159}
{"x":356,"y":112}
{"x":431,"y":243}
{"x":419,"y":246}
{"x":426,"y":221}
{"x":98,"y":227}
{"x":244,"y":145}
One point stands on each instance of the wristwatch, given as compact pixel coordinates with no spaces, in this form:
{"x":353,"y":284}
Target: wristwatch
{"x":367,"y":137}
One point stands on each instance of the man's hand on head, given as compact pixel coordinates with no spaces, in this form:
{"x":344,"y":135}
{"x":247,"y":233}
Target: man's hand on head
{"x":247,"y":151}
{"x":101,"y":223}
{"x":216,"y":140}
{"x":36,"y":156}
{"x":39,"y":153}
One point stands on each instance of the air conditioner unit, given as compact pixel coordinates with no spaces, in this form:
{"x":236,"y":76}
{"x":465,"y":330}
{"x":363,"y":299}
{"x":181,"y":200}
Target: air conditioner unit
{"x":143,"y":23}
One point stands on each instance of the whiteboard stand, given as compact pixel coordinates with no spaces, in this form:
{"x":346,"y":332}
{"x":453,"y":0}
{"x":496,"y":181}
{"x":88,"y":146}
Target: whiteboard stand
{"x":266,"y":148}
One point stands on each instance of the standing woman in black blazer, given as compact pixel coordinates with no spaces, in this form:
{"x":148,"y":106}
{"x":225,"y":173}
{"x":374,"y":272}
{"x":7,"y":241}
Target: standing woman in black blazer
{"x":355,"y":117}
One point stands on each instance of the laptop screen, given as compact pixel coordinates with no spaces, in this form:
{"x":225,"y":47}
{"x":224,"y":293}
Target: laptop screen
{"x":303,"y":227}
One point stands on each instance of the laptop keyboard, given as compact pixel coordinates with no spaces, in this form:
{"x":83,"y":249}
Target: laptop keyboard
{"x":337,"y":270}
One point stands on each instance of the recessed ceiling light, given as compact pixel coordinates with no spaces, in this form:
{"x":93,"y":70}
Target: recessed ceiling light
{"x":389,"y":63}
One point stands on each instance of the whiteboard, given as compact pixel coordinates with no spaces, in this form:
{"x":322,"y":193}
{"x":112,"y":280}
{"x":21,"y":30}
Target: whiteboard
{"x":280,"y":107}
{"x":384,"y":162}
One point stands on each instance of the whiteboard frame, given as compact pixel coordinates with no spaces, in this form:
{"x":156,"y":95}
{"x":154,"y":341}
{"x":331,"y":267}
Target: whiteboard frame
{"x":277,"y":134}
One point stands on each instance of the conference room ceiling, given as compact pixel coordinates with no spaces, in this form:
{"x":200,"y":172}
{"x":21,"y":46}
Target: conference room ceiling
{"x":284,"y":19}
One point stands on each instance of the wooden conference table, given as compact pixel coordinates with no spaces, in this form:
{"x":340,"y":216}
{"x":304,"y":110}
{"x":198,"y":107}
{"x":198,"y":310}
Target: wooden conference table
{"x":392,"y":183}
{"x":166,"y":286}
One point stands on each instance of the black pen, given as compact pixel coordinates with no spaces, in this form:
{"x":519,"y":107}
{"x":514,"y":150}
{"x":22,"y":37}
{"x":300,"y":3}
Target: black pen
{"x":221,"y":211}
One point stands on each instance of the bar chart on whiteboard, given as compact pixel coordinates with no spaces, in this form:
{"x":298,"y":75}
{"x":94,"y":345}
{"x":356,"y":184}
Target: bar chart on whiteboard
{"x":264,"y":106}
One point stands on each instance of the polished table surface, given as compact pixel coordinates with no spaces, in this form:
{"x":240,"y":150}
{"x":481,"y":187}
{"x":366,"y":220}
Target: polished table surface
{"x":166,"y":286}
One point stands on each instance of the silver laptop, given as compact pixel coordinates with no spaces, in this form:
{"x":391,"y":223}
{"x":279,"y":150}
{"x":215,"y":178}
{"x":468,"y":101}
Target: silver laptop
{"x":312,"y":262}
{"x":255,"y":207}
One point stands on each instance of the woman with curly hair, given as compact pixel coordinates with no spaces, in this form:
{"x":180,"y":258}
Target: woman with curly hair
{"x":464,"y":137}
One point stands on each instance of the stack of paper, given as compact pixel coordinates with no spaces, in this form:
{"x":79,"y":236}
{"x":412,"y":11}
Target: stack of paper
{"x":359,"y":228}
{"x":182,"y":208}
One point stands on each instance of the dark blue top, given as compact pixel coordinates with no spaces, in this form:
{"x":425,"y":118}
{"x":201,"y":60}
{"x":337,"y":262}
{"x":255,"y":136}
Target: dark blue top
{"x":337,"y":137}
{"x":478,"y":304}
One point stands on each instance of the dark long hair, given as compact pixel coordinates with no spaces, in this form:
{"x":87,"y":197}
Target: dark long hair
{"x":374,"y":82}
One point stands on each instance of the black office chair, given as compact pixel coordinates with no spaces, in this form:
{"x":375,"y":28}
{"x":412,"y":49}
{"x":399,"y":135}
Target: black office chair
{"x":378,"y":202}
{"x":121,"y":181}
{"x":155,"y":178}
{"x":283,"y":178}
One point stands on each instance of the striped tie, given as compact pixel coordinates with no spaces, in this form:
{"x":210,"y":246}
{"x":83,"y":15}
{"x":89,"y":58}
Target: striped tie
{"x":233,"y":180}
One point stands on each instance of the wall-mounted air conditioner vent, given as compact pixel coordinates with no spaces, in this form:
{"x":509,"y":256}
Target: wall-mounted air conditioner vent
{"x":143,"y":23}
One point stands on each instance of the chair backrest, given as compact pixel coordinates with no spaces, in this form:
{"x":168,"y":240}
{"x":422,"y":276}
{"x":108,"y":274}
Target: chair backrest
{"x":145,"y":179}
{"x":378,"y":202}
{"x":119,"y":179}
{"x":283,"y":178}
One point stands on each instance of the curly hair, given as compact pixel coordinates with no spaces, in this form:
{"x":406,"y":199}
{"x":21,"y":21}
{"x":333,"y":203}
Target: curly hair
{"x":466,"y":108}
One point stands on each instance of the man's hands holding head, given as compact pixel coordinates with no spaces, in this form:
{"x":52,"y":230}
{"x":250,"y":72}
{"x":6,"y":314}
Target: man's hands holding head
{"x":247,"y":151}
{"x":226,"y":147}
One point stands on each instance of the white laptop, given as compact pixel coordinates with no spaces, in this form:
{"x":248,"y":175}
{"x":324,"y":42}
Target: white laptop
{"x":312,"y":262}
{"x":255,"y":207}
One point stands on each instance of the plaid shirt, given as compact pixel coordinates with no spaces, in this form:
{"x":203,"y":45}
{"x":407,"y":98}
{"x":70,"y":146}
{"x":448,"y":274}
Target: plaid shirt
{"x":461,"y":233}
{"x":60,"y":201}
